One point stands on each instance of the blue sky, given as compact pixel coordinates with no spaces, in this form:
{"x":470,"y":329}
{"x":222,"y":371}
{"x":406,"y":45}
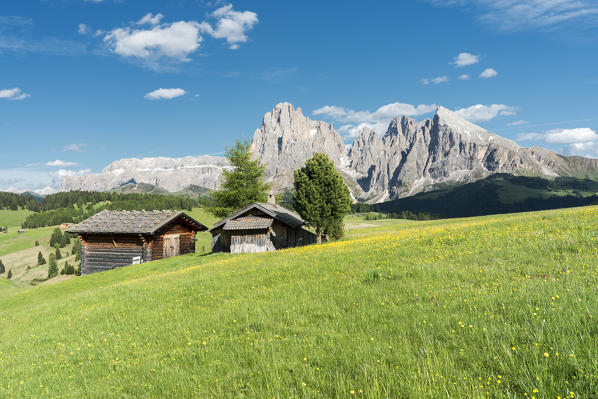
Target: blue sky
{"x":83,"y":83}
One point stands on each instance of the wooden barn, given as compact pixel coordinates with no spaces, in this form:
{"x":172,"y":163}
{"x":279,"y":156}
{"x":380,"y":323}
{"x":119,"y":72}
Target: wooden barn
{"x":112,"y":239}
{"x":260,"y":228}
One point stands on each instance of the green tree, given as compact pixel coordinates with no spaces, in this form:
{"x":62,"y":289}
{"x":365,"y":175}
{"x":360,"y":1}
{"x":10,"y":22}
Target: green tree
{"x":321,"y":196}
{"x":66,"y":240}
{"x":40,"y":259}
{"x":9,"y":275}
{"x":2,"y":269}
{"x":76,"y":247}
{"x":37,"y":243}
{"x":243,"y":185}
{"x":52,"y":267}
{"x":56,"y":238}
{"x":57,"y":254}
{"x":68,"y":269}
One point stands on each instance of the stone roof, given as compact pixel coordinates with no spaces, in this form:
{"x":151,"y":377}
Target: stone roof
{"x":279,"y":213}
{"x":132,"y":222}
{"x":249,"y":223}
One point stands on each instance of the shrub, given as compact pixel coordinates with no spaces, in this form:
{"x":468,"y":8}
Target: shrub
{"x":2,"y":269}
{"x":9,"y":275}
{"x":40,"y":259}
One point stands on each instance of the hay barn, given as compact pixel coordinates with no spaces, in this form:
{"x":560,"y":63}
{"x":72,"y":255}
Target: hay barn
{"x":112,"y":239}
{"x":260,"y":227}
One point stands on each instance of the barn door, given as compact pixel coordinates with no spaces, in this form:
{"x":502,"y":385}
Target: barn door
{"x":172,"y":245}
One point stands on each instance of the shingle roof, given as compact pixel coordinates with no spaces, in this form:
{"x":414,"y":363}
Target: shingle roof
{"x":131,"y":222}
{"x":248,"y":223}
{"x":276,"y":212}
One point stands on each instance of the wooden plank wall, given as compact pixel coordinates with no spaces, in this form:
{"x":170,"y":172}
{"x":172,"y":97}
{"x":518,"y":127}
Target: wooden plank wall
{"x":257,"y":241}
{"x":106,"y":252}
{"x":246,"y":241}
{"x":187,"y":241}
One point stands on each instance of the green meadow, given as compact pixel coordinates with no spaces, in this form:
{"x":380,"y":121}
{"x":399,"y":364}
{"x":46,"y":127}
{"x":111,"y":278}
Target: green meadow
{"x":487,"y":307}
{"x":13,"y":219}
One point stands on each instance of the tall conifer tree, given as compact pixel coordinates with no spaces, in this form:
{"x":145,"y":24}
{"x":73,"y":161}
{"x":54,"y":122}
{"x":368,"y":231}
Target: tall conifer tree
{"x":321,"y":196}
{"x":243,"y":185}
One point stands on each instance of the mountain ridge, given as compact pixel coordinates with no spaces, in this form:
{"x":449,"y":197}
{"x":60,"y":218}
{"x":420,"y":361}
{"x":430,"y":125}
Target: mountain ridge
{"x":411,"y":157}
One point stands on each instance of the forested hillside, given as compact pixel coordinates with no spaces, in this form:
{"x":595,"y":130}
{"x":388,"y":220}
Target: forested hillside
{"x":74,"y":206}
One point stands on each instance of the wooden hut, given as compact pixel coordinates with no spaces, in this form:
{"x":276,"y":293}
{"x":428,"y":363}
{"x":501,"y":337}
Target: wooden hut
{"x":112,"y":239}
{"x":260,"y":227}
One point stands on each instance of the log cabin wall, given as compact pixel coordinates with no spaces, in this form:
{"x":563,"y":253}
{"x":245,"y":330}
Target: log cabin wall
{"x":187,"y":240}
{"x":247,"y":241}
{"x":107,"y":251}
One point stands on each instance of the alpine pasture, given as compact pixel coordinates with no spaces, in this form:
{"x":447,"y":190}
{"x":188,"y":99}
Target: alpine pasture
{"x":495,"y":306}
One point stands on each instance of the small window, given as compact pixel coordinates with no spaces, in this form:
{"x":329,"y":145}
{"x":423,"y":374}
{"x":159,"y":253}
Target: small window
{"x":136,"y":260}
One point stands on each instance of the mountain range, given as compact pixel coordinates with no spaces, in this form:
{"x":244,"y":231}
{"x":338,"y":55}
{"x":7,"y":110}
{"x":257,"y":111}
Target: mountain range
{"x":410,"y":158}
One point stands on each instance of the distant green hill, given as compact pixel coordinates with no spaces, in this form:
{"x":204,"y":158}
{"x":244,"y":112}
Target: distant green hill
{"x":500,"y":193}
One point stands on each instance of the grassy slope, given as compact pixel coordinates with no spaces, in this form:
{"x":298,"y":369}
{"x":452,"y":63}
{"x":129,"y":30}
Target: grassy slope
{"x":204,"y":239}
{"x":18,"y":251}
{"x":13,"y":219}
{"x":496,"y":306}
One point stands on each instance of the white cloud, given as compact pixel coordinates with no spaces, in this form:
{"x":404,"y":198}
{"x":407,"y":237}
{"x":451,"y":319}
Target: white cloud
{"x":488,"y":73}
{"x":515,"y":15}
{"x":176,"y":41}
{"x":165,"y":94}
{"x":13,"y":94}
{"x":231,"y":25}
{"x":82,"y":29}
{"x":464,"y":77}
{"x":570,"y":136}
{"x":69,"y":172}
{"x":466,"y":59}
{"x":517,"y":123}
{"x":484,"y":113}
{"x":437,"y":80}
{"x":352,"y":131}
{"x":59,"y":163}
{"x":378,"y":120}
{"x":589,"y":149}
{"x":579,"y":141}
{"x":75,"y":147}
{"x":150,"y":19}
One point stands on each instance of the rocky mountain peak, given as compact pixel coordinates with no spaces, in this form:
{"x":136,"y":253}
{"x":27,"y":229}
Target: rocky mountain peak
{"x":447,"y":120}
{"x":287,"y":138}
{"x":410,"y":158}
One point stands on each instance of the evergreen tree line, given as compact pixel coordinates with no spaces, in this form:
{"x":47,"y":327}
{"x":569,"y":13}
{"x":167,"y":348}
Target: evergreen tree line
{"x":76,"y":210}
{"x":83,"y":199}
{"x":13,"y":201}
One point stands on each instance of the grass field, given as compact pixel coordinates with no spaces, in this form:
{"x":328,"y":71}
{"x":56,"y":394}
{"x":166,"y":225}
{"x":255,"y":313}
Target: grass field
{"x":13,"y":219}
{"x":204,"y":239}
{"x":497,"y":306}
